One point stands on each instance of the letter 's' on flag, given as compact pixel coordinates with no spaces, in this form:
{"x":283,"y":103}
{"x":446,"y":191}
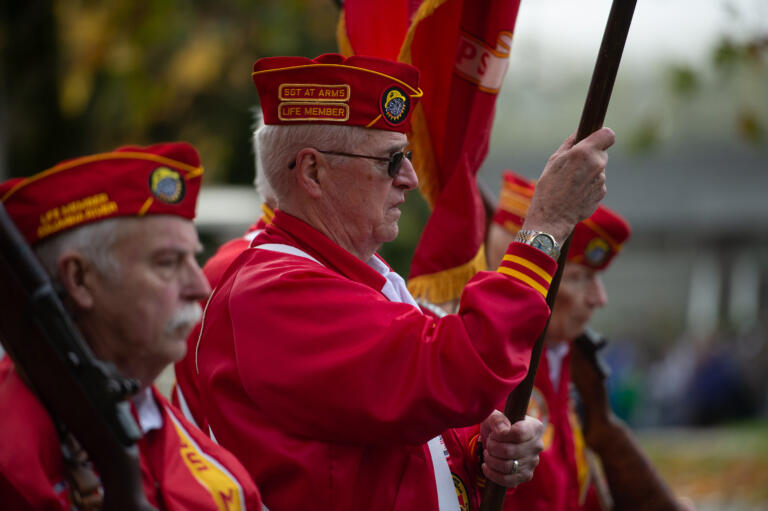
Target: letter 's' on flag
{"x":462,"y":49}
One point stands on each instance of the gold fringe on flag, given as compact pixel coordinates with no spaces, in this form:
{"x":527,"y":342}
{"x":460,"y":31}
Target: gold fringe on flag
{"x":447,"y":284}
{"x":345,"y":47}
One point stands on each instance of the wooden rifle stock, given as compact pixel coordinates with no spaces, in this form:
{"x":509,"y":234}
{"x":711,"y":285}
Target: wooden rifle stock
{"x":633,"y":483}
{"x":590,"y":343}
{"x":592,"y":117}
{"x":85,"y":395}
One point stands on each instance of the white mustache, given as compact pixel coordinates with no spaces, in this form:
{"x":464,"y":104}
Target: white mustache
{"x":185,"y":316}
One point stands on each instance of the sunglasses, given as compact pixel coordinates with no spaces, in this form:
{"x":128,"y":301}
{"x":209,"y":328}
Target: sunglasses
{"x":393,"y":161}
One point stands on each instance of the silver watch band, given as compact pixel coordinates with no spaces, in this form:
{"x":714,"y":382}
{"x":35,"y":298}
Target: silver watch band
{"x":540,"y":240}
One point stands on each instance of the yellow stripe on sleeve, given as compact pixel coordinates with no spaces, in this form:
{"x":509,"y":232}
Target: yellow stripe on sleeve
{"x":531,"y":266}
{"x":524,"y":278}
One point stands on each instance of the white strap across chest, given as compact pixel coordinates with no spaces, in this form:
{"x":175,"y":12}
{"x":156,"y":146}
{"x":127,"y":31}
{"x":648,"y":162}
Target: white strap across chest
{"x":395,"y":290}
{"x":287,"y":249}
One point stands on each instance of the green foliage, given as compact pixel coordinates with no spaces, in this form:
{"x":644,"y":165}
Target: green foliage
{"x":726,"y":55}
{"x":683,"y":80}
{"x":143,"y":72}
{"x":750,"y":127}
{"x":733,"y":60}
{"x":645,"y":136}
{"x":736,"y":74}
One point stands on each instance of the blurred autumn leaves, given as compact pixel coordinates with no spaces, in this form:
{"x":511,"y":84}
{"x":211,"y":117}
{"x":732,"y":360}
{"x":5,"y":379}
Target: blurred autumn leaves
{"x":83,"y":76}
{"x":737,"y":73}
{"x":80,"y":76}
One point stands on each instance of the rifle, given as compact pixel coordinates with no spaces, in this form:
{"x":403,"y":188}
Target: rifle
{"x":633,"y":481}
{"x":589,"y":344}
{"x":592,"y":117}
{"x":81,"y":393}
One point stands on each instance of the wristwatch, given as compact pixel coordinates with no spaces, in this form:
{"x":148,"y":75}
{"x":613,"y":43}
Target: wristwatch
{"x":541,"y":240}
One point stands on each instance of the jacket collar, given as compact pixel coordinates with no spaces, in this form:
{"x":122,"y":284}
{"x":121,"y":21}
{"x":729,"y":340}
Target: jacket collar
{"x":290,"y":230}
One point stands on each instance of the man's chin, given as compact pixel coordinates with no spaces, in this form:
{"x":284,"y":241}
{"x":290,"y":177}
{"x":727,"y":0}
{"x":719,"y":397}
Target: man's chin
{"x":388,"y":233}
{"x":179,"y":338}
{"x":183,"y":332}
{"x":178,"y":350}
{"x":577,"y":330}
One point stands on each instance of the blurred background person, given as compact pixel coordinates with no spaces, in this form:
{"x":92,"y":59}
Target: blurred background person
{"x":567,"y":477}
{"x":185,"y":393}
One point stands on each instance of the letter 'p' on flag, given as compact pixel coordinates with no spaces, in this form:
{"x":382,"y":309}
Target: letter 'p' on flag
{"x":462,"y":49}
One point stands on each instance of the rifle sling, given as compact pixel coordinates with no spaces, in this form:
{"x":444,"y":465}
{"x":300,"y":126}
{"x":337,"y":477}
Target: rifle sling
{"x":85,"y":490}
{"x":84,"y":485}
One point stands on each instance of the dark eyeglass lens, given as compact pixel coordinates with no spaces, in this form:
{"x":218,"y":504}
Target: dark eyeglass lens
{"x":395,"y":161}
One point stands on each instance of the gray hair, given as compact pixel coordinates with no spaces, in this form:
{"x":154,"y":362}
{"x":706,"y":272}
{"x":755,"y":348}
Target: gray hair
{"x":260,"y":180}
{"x":94,"y":241}
{"x":277,"y":145}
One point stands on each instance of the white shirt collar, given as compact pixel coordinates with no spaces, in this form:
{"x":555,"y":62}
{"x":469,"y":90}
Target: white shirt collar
{"x":555,"y":355}
{"x":394,"y":288}
{"x":150,"y":416}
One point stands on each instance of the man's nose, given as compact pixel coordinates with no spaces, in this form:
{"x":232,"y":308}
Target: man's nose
{"x":196,"y":286}
{"x":596,"y":296}
{"x":406,"y":177}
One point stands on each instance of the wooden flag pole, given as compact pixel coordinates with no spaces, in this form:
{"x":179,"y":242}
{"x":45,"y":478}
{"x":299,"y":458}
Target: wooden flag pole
{"x":592,"y":117}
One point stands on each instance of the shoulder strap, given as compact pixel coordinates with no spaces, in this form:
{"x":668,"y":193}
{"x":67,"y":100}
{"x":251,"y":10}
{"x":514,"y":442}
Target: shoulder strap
{"x":287,"y":249}
{"x":85,"y":491}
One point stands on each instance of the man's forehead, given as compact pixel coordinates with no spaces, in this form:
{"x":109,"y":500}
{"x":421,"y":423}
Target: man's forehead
{"x":388,"y":138}
{"x":160,"y":232}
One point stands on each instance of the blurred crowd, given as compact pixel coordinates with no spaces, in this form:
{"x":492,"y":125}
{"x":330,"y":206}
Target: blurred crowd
{"x":697,"y":381}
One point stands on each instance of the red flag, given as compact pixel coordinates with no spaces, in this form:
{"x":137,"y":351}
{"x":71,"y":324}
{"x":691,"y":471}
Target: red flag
{"x":461,"y":48}
{"x":365,"y":28}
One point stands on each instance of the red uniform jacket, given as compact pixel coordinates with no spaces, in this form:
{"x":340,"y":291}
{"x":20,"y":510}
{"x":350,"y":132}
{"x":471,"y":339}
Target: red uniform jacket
{"x":327,"y":391}
{"x":181,"y":468}
{"x":185,"y":393}
{"x":563,"y":480}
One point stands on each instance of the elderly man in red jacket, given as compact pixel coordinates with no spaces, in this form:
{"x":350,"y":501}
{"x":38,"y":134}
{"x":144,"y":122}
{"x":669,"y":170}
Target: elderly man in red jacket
{"x":115,"y":232}
{"x":316,"y":366}
{"x":566,"y":478}
{"x":185,"y":392}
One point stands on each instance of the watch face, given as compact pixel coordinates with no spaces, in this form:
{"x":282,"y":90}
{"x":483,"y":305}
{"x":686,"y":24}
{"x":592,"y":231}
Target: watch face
{"x":543,"y":243}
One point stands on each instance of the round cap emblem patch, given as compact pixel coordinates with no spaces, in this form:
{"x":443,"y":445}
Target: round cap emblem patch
{"x":167,"y":185}
{"x":395,"y":105}
{"x":597,"y":251}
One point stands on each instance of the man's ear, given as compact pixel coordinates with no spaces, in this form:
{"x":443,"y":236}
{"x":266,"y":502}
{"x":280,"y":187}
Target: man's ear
{"x":77,"y":275}
{"x":308,"y":163}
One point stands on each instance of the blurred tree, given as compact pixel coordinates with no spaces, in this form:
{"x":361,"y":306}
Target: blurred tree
{"x":33,"y":131}
{"x":80,"y":76}
{"x":737,"y":66}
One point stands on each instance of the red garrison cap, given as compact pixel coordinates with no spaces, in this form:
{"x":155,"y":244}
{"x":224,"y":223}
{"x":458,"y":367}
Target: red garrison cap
{"x":596,"y":240}
{"x":162,"y":179}
{"x":514,"y":199}
{"x":333,"y":89}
